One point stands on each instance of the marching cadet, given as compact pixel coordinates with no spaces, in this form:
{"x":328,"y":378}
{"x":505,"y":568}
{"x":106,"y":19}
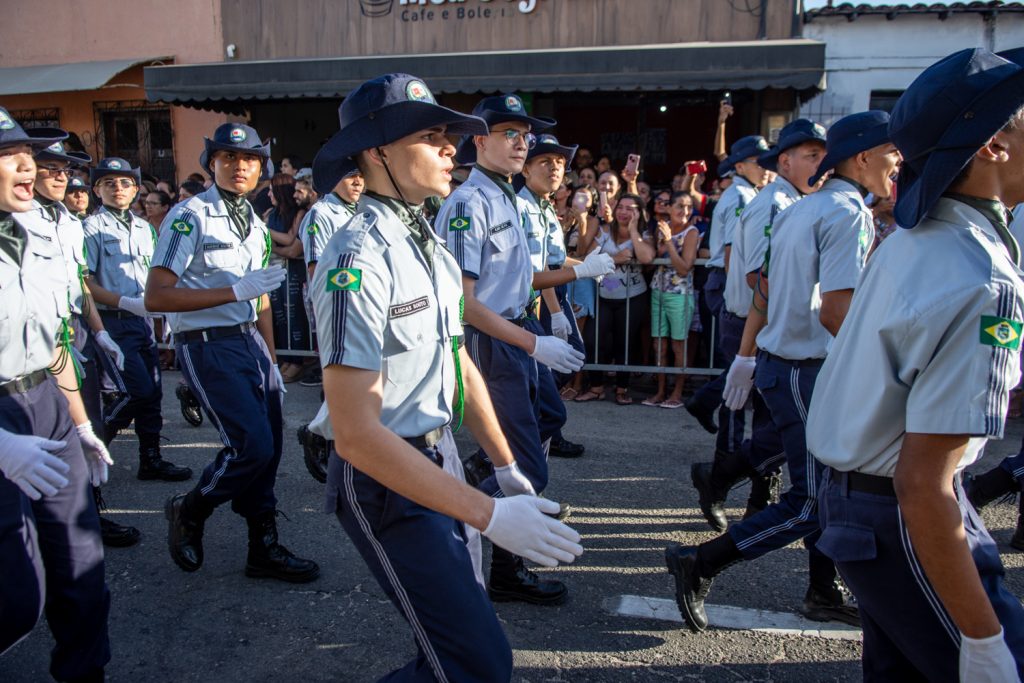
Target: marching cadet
{"x":51,"y":221}
{"x":119,"y":246}
{"x":819,"y":247}
{"x":542,"y":175}
{"x":335,"y":207}
{"x":714,"y":480}
{"x":210,"y":274}
{"x":919,"y":378}
{"x":76,"y":198}
{"x":50,"y":548}
{"x":388,"y":297}
{"x":483,"y":225}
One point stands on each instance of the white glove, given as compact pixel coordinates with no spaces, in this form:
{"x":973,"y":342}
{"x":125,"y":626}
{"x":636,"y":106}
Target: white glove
{"x":513,"y":482}
{"x":560,"y":326}
{"x":256,"y":283}
{"x":519,"y":525}
{"x":596,"y":264}
{"x":739,"y":382}
{"x":28,"y":462}
{"x":133,"y":304}
{"x":96,"y":455}
{"x":280,"y":379}
{"x":557,"y":354}
{"x":987,"y":660}
{"x":105,"y":342}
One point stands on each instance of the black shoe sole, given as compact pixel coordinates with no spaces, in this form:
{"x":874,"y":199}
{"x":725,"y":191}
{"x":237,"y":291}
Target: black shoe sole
{"x":823,"y":613}
{"x":675,"y":568}
{"x":124,"y":540}
{"x":169,"y":514}
{"x":563,"y":454}
{"x":254,"y":572}
{"x":498,"y":595}
{"x":699,"y":486}
{"x":159,"y":476}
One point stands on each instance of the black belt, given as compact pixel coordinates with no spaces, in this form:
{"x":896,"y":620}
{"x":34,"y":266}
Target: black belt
{"x":805,"y":363}
{"x":211,"y":333}
{"x":19,"y":385}
{"x":867,"y":483}
{"x":117,"y":313}
{"x":428,"y":440}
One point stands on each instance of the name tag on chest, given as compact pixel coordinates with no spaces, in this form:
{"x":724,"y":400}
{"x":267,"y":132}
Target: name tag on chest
{"x":414,"y":306}
{"x":217,"y":246}
{"x":502,"y":227}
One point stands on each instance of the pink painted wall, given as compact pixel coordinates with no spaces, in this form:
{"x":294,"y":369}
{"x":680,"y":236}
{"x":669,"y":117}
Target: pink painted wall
{"x":187,"y":31}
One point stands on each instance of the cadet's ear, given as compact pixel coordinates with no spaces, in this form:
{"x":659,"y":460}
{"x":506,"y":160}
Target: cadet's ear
{"x":478,"y":140}
{"x":375,"y":156}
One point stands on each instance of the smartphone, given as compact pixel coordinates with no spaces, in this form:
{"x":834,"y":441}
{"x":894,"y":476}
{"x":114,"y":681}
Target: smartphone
{"x":633,"y":163}
{"x":697,"y":167}
{"x":603,"y":199}
{"x":579,"y":202}
{"x":727,"y":98}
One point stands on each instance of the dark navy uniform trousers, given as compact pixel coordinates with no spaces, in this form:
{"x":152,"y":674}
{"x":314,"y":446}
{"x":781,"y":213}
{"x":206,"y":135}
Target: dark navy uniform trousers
{"x":141,"y":376}
{"x":908,"y":635}
{"x":50,"y":550}
{"x":233,"y":379}
{"x":513,"y":383}
{"x":709,"y":397}
{"x":419,"y":557}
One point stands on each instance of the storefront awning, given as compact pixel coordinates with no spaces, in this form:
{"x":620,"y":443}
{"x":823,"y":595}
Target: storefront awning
{"x":26,"y":80}
{"x":798,"y":64}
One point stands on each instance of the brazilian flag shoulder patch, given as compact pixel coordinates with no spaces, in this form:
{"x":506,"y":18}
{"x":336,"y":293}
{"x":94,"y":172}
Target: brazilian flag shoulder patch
{"x":459,"y":223}
{"x":1001,"y":332}
{"x":344,"y":280}
{"x":184,"y":227}
{"x":312,"y":229}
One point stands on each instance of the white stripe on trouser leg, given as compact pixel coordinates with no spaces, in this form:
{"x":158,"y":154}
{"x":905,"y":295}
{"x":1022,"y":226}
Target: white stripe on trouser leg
{"x":194,"y":376}
{"x":922,"y":582}
{"x":396,"y":585}
{"x":811,"y":496}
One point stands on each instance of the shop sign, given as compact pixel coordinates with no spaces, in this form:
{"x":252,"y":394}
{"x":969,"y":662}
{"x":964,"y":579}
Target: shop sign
{"x":447,"y":10}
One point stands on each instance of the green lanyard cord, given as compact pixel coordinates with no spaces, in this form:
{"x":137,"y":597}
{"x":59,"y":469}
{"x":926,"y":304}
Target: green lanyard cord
{"x":267,"y":244}
{"x":64,"y":343}
{"x":460,"y":404}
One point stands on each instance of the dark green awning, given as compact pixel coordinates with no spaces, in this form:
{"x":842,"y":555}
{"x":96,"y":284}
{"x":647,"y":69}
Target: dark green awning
{"x":798,"y":64}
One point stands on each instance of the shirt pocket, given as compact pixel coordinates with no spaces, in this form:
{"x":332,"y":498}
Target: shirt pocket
{"x":416,"y":340}
{"x":220,"y":257}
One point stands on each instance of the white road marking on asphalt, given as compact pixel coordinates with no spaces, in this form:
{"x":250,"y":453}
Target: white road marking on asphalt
{"x":726,"y":616}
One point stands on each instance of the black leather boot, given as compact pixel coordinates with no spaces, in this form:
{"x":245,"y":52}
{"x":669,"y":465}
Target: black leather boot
{"x":705,"y":417}
{"x":563,"y":448}
{"x":190,"y":408}
{"x":511,"y":580}
{"x":694,"y":569}
{"x":827,"y":599}
{"x":714,"y":482}
{"x":315,"y":453}
{"x":982,"y":489}
{"x":269,"y":559}
{"x":153,"y":466}
{"x":476,"y":469}
{"x":186,"y":519}
{"x":114,"y":535}
{"x":764,"y":490}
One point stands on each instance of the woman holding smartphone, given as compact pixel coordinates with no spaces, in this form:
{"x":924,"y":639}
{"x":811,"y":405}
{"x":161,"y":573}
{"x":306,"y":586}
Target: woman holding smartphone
{"x":622,"y":296}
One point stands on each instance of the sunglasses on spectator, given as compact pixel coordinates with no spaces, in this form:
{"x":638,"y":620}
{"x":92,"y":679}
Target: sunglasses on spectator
{"x":511,"y":136}
{"x":661,"y":200}
{"x":114,"y":184}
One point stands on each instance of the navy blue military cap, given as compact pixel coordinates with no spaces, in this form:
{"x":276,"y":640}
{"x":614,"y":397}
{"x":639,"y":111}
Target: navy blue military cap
{"x":850,"y":136}
{"x":76,"y":184}
{"x":953,"y":108}
{"x":500,"y":109}
{"x":744,"y":148}
{"x":57,"y":152}
{"x":548,"y":144}
{"x":12,"y":134}
{"x":378,"y":112}
{"x":234,"y":137}
{"x":725,"y":169}
{"x":793,"y":134}
{"x":114,"y":166}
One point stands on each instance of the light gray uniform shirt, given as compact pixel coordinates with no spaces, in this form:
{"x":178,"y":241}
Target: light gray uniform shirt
{"x":68,"y":236}
{"x":819,"y":245}
{"x":931,"y":345}
{"x":321,"y":221}
{"x":732,"y":203}
{"x":119,"y":257}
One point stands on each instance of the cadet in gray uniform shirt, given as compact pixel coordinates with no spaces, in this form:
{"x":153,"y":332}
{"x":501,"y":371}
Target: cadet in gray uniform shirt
{"x":918,"y":380}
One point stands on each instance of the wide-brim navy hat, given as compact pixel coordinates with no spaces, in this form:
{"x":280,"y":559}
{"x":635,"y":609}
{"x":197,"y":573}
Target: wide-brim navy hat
{"x":114,"y":166}
{"x":725,"y":169}
{"x":500,"y":109}
{"x":76,"y":184}
{"x":953,"y":108}
{"x":742,"y":149}
{"x":57,"y":152}
{"x":234,"y":137}
{"x":850,"y":136}
{"x":793,"y":134}
{"x":548,"y":144}
{"x":377,"y":113}
{"x":37,"y":138}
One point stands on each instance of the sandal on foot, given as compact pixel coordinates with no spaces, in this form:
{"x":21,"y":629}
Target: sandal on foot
{"x":590,"y":395}
{"x":623,"y":399}
{"x":651,"y":402}
{"x":672,"y":404}
{"x":568,"y":393}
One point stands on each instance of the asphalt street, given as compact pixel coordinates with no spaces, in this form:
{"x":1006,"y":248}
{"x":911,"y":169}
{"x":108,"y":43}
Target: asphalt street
{"x":630,"y":496}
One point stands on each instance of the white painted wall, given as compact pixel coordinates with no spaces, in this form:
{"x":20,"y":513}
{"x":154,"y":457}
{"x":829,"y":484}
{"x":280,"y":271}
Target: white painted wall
{"x":873,"y":53}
